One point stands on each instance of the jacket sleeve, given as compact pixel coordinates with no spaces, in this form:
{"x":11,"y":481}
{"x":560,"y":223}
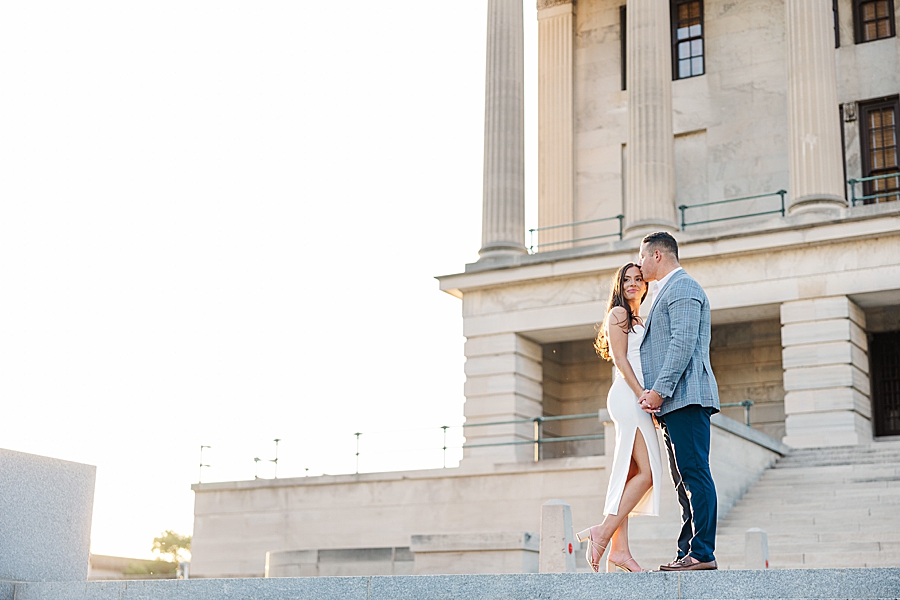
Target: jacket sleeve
{"x":684,"y":324}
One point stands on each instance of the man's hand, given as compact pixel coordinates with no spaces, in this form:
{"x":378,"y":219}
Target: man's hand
{"x":650,"y":401}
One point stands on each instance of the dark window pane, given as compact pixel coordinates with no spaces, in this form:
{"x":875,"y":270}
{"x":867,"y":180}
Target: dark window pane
{"x":881,"y":9}
{"x":888,"y":117}
{"x":882,"y":30}
{"x":695,"y":10}
{"x":890,"y":157}
{"x":875,"y":119}
{"x":870,"y":32}
{"x":868,"y":10}
{"x":684,"y":12}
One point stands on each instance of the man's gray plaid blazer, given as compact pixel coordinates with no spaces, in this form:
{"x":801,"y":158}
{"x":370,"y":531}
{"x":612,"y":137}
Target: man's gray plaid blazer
{"x":675,"y":350}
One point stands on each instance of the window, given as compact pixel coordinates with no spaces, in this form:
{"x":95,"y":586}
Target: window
{"x":878,"y":142}
{"x":874,"y":20}
{"x":687,"y":39}
{"x":837,"y":23}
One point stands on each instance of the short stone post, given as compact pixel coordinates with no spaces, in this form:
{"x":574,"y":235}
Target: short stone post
{"x":557,"y":538}
{"x":609,"y":433}
{"x":756,"y":549}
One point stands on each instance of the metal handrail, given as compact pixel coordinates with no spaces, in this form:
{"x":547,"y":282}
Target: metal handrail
{"x":531,"y":232}
{"x":855,"y":180}
{"x":746,"y":404}
{"x":685,"y":207}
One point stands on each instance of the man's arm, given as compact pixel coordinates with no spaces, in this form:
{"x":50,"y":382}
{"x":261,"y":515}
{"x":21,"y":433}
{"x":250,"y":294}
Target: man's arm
{"x":684,"y":325}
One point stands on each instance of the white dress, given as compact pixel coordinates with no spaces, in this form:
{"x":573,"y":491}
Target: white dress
{"x":626,"y":413}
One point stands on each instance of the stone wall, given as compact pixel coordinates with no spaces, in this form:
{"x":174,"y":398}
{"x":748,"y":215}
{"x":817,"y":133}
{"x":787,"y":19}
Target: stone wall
{"x":576,"y":381}
{"x":236,"y":524}
{"x":746,"y":359}
{"x":46,"y":507}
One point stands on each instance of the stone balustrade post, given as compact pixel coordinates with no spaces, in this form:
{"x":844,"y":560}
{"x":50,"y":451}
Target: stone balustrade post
{"x":557,"y":538}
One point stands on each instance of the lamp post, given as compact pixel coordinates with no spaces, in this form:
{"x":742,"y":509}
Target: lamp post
{"x":200,"y":475}
{"x":275,"y":460}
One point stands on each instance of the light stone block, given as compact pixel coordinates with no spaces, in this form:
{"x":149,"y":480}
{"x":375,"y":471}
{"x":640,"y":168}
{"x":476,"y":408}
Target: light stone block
{"x":811,"y":378}
{"x":557,"y":541}
{"x":818,"y":332}
{"x":827,"y":353}
{"x":490,"y":385}
{"x":827,"y":400}
{"x":506,"y":343}
{"x":46,"y":507}
{"x":464,"y":553}
{"x":756,"y":549}
{"x":484,"y":408}
{"x":502,"y":364}
{"x":822,"y":309}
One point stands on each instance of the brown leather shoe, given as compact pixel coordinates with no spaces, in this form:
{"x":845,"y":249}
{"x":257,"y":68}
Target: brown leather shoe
{"x":685,"y":564}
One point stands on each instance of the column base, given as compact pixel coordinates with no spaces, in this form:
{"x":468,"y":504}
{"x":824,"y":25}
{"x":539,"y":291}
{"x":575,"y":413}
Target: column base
{"x":501,"y":250}
{"x":817,"y":203}
{"x":819,"y":430}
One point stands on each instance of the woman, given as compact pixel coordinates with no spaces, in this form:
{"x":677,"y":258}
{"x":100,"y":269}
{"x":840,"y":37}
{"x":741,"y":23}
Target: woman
{"x":635,"y":474}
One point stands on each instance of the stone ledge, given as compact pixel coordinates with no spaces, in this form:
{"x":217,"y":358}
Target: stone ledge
{"x":705,"y":585}
{"x":748,"y":433}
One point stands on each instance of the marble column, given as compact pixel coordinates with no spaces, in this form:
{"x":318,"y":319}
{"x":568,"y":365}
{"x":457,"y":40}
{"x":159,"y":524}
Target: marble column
{"x":816,"y":160}
{"x":826,"y":373}
{"x":556,"y":123}
{"x":503,"y":213}
{"x":650,"y":151}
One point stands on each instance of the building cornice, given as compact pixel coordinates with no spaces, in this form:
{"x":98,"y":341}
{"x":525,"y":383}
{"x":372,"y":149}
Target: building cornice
{"x":779,"y":233}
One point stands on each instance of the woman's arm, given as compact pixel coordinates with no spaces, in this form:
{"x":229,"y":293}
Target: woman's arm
{"x":617,"y":333}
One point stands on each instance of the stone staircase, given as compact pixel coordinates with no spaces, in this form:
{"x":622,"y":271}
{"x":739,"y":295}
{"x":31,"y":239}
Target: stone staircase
{"x":822,"y":508}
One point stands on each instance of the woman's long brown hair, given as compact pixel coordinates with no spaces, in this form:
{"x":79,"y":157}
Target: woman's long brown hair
{"x":616,"y":298}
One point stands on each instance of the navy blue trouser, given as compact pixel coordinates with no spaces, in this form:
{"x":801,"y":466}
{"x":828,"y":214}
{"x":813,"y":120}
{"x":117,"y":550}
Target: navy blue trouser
{"x":686,"y":433}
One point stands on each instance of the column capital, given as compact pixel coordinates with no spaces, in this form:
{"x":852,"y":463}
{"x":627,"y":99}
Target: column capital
{"x":544,"y":4}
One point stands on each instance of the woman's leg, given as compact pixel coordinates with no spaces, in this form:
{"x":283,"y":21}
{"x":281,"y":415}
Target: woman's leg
{"x":635,"y":488}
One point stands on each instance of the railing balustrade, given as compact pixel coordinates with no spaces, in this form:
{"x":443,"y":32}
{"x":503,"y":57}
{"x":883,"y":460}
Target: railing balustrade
{"x":893,"y":192}
{"x":684,"y":208}
{"x":532,"y":247}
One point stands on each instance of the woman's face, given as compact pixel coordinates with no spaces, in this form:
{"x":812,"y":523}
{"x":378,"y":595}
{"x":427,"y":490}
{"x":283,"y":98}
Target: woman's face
{"x":633,"y":285}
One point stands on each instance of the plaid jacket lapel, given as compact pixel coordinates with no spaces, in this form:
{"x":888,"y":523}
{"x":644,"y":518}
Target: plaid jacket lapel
{"x":657,"y":299}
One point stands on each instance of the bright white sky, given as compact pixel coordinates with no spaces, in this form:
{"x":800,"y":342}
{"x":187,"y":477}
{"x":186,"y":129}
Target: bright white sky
{"x":220,"y":224}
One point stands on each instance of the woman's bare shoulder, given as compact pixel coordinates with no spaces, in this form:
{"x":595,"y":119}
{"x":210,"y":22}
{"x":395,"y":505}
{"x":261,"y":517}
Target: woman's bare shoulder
{"x":617,"y":316}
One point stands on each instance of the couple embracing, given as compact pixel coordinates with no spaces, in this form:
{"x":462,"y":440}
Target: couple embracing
{"x":663,"y":374}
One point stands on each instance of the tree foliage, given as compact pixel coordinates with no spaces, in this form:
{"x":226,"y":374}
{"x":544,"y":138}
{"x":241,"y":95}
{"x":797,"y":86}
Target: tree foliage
{"x":172,"y":544}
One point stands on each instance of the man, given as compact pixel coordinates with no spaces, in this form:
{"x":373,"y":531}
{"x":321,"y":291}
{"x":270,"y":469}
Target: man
{"x":682,"y":393}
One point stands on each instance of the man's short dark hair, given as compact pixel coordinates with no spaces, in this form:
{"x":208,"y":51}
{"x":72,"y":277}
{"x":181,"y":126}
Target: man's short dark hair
{"x":662,"y":241}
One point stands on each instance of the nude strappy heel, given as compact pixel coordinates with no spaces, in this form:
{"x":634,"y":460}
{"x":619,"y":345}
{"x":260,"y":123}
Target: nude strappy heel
{"x":623,"y":566}
{"x":585,"y":536}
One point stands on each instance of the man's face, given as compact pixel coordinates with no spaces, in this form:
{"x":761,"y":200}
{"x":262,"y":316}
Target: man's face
{"x":648,"y":261}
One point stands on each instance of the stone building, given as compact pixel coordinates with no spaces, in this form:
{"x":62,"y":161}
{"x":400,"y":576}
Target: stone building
{"x":763,"y":135}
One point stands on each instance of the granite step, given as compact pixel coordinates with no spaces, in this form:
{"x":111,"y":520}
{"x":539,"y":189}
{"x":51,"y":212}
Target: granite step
{"x":771,"y":584}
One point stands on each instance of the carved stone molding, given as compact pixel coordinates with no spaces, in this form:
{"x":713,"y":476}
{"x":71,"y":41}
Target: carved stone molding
{"x":542,"y":4}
